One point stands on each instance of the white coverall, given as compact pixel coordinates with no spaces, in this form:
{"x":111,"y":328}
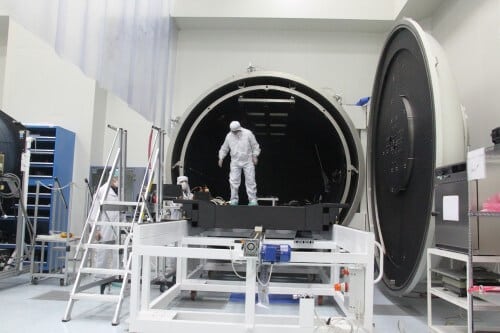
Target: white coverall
{"x":176,"y":208}
{"x":243,"y":148}
{"x":105,"y":258}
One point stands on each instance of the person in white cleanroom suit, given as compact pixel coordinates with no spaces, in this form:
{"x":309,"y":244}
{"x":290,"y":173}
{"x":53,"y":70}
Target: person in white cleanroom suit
{"x":106,"y":258}
{"x":175,"y":208}
{"x":186,"y":191}
{"x":244,"y":151}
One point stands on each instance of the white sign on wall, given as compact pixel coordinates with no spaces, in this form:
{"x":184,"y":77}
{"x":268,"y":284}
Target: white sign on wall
{"x":476,"y":168}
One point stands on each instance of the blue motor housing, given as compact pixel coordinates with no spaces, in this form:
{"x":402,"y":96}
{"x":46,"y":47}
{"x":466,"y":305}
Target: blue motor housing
{"x":275,"y":253}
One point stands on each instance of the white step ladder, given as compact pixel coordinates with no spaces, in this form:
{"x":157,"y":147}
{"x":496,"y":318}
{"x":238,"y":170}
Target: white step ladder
{"x":80,"y":290}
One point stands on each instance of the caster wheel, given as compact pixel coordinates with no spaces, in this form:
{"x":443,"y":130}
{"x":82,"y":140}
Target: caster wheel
{"x":34,"y":281}
{"x":162,"y":287}
{"x":61,"y":282}
{"x":193,"y":295}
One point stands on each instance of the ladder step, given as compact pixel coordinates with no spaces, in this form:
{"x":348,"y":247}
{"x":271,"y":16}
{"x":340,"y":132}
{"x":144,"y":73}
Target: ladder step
{"x":117,"y":205}
{"x":105,"y":246}
{"x":97,"y":297}
{"x":113,"y":224}
{"x":104,"y":271}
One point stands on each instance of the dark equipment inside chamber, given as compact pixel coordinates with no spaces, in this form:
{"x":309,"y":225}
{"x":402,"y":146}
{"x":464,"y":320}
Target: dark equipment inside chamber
{"x":316,"y":217}
{"x":303,"y":159}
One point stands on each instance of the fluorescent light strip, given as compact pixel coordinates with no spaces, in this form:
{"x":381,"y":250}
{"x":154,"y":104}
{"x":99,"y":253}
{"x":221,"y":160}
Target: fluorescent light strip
{"x":266,"y":100}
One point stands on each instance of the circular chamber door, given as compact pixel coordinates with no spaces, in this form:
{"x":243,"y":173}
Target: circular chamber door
{"x":311,"y":152}
{"x":415,"y":125}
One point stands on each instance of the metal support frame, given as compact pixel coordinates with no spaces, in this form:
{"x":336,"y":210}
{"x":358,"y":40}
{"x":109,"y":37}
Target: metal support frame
{"x":469,"y":303}
{"x":349,"y":246}
{"x":159,"y":173}
{"x":141,"y":214}
{"x":119,"y":147}
{"x":58,"y":267}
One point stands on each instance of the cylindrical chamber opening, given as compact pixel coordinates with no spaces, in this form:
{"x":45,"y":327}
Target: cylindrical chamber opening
{"x":310,"y":150}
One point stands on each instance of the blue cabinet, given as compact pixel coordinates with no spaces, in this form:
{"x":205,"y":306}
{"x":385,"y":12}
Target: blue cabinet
{"x":51,"y":166}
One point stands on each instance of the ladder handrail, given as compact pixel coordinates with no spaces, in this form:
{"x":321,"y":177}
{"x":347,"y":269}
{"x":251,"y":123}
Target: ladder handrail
{"x":146,"y":180}
{"x":113,"y":146}
{"x":143,"y":195}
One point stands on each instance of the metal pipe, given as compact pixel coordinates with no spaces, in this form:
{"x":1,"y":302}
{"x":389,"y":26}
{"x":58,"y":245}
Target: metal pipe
{"x":159,"y":171}
{"x":123,"y":163}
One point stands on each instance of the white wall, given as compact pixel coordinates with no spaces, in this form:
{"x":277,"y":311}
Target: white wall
{"x":111,"y":110}
{"x":469,"y":32}
{"x":343,"y":62}
{"x":41,"y":88}
{"x":119,"y":114}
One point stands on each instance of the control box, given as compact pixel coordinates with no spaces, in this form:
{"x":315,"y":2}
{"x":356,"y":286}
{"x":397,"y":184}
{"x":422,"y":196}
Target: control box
{"x":275,"y":253}
{"x":352,"y":286}
{"x":451,"y":207}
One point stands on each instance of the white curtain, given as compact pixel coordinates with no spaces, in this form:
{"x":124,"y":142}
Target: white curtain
{"x":122,"y":44}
